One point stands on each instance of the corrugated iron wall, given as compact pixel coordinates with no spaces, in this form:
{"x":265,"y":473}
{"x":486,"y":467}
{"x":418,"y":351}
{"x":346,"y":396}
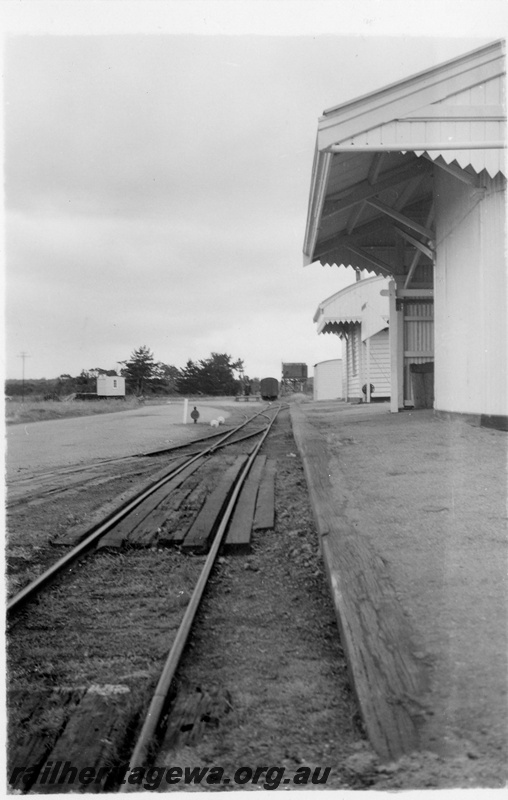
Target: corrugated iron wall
{"x":418,"y":339}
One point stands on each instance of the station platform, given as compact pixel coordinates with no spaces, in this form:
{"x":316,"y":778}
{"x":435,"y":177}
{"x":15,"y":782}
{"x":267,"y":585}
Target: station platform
{"x":411,"y":516}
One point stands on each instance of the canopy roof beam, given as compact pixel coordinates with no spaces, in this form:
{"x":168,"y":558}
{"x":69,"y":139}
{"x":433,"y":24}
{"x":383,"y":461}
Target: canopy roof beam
{"x":376,"y":233}
{"x":418,"y":253}
{"x":408,"y":192}
{"x":375,"y":168}
{"x":412,"y":267}
{"x":457,"y":172}
{"x":411,"y":147}
{"x":364,"y":190}
{"x":343,"y":256}
{"x":415,"y":242}
{"x":390,"y":212}
{"x":359,"y":251}
{"x":354,"y":217}
{"x":373,"y":227}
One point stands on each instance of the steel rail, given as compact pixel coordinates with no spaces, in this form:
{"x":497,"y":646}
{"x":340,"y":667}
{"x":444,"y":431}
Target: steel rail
{"x":31,"y":589}
{"x":84,"y":468}
{"x":100,"y":462}
{"x":156,"y":708}
{"x":182,"y":445}
{"x":219,"y":445}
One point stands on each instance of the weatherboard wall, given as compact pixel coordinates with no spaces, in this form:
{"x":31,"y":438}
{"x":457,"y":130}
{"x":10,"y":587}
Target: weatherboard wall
{"x":379,"y":366}
{"x":470,"y":296}
{"x":367,"y":361}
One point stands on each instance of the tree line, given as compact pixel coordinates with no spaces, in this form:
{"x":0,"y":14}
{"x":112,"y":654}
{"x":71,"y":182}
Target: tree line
{"x":218,"y":374}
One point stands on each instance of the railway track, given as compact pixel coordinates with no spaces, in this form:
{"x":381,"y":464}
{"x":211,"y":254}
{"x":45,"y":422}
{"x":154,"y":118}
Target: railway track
{"x":159,"y":700}
{"x":113,"y":704}
{"x":46,"y":485}
{"x":107,"y":533}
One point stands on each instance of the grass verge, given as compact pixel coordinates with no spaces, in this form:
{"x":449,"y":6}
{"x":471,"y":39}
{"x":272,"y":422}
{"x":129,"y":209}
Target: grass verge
{"x":17,"y":412}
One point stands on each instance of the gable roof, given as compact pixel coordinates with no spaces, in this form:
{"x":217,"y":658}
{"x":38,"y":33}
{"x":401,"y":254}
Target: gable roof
{"x":453,"y":114}
{"x":364,"y":302}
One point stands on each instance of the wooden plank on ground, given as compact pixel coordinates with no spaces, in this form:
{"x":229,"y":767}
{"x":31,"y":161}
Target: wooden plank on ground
{"x":207,"y":520}
{"x":154,"y":530}
{"x":146,"y":532}
{"x":79,"y":532}
{"x":42,"y":716}
{"x":92,"y":737}
{"x":121,"y":533}
{"x":177,"y":525}
{"x":124,"y":531}
{"x":374,"y":630}
{"x":264,"y":518}
{"x":194,"y":712}
{"x":240,"y":526}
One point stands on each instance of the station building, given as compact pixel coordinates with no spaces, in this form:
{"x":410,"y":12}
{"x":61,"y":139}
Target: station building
{"x":409,"y":182}
{"x":358,"y":315}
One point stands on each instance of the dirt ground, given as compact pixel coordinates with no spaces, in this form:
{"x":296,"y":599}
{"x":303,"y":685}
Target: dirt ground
{"x":266,"y":638}
{"x":275,"y":650}
{"x":56,"y":443}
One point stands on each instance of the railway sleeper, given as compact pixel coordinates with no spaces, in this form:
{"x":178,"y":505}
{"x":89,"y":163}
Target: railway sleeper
{"x":238,"y":539}
{"x":205,"y":525}
{"x":123,"y":532}
{"x":171,"y":522}
{"x":66,"y":730}
{"x":194,"y":711}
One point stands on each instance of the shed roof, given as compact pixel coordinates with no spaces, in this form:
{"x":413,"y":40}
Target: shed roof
{"x":365,"y":301}
{"x":374,"y":157}
{"x":328,"y":361}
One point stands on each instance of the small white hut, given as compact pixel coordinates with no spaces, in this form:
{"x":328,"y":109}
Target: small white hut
{"x":110,"y":386}
{"x":328,"y":380}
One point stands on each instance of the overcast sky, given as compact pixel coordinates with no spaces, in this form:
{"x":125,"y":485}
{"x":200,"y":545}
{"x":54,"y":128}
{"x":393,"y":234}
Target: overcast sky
{"x":157,"y":178}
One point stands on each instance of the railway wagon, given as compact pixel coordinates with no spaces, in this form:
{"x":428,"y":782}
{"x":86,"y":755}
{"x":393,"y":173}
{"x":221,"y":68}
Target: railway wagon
{"x":269,"y":388}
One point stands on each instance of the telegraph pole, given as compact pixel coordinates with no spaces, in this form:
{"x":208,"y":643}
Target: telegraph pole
{"x":23,"y":356}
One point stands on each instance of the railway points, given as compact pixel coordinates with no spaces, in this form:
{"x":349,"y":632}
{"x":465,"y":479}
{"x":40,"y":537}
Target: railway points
{"x":114,"y":530}
{"x":111,"y":710}
{"x":237,"y":653}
